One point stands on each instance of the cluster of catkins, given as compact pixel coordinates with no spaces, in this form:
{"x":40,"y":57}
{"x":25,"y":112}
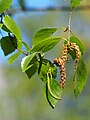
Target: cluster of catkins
{"x":60,"y":61}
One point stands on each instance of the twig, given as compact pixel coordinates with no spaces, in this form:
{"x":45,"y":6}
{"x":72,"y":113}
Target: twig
{"x":69,"y":26}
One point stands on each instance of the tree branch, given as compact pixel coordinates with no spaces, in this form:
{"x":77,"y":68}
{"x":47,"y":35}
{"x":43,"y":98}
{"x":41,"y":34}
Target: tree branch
{"x":69,"y":26}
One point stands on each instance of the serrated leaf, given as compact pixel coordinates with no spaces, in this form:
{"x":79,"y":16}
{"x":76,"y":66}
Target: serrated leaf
{"x":56,"y":88}
{"x":74,"y":3}
{"x":44,"y":70}
{"x":46,"y":44}
{"x":80,"y":77}
{"x":43,"y":34}
{"x":26,"y":61}
{"x":12,"y":58}
{"x":31,"y":71}
{"x":13,"y":27}
{"x":7,"y":45}
{"x":79,"y":43}
{"x":4,"y":5}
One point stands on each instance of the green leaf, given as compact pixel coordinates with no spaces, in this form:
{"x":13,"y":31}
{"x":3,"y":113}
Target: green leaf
{"x":12,"y":26}
{"x":6,"y":29}
{"x":52,"y":89}
{"x":7,"y":45}
{"x":80,"y":77}
{"x":43,"y":34}
{"x":52,"y":101}
{"x":72,"y":53}
{"x":57,"y":90}
{"x":1,"y":25}
{"x":26,"y":60}
{"x":4,"y":5}
{"x":31,"y":71}
{"x":12,"y":58}
{"x":44,"y":70}
{"x":79,"y":43}
{"x":46,"y":44}
{"x":74,"y":3}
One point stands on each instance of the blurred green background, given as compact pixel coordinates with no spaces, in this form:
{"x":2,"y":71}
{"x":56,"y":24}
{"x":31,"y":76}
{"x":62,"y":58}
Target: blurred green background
{"x":23,"y":99}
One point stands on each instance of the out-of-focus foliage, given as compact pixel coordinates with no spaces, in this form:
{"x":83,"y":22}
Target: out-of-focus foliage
{"x":23,"y":99}
{"x":74,"y":3}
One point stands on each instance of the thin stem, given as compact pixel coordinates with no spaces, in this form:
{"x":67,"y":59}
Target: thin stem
{"x":40,"y":63}
{"x":65,"y":39}
{"x":69,"y":26}
{"x":23,"y":52}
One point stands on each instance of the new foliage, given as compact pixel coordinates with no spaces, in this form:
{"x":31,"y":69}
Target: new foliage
{"x":34,"y":59}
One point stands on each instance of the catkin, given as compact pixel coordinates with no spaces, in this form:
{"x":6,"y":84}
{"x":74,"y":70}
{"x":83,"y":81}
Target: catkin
{"x":77,"y":52}
{"x":64,"y":53}
{"x":59,"y":62}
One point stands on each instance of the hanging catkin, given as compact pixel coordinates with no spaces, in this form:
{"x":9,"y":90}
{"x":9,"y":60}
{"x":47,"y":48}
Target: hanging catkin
{"x":59,"y":62}
{"x":77,"y":52}
{"x":64,"y":53}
